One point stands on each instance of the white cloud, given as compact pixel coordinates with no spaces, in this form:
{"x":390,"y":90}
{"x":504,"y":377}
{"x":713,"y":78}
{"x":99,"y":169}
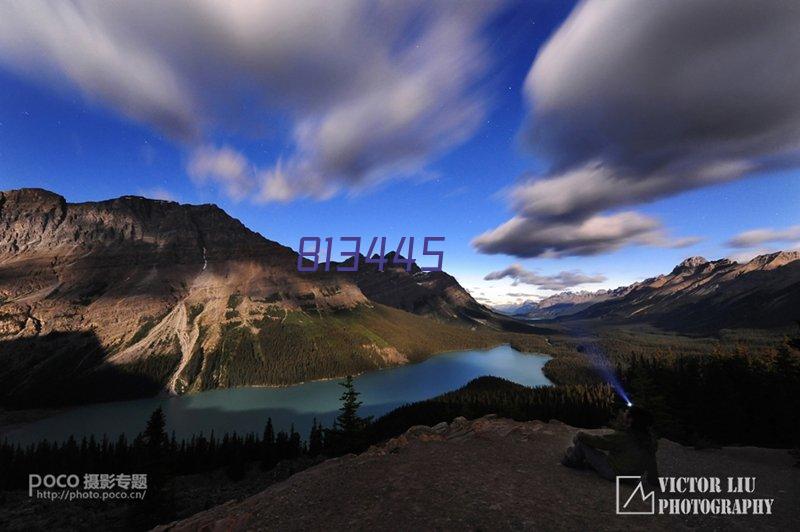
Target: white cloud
{"x":524,"y":296}
{"x":757,"y":237}
{"x":559,"y":281}
{"x":224,"y":166}
{"x":277,"y":184}
{"x":632,"y":101}
{"x":88,"y":44}
{"x":639,"y":100}
{"x":530,"y":237}
{"x":371,"y":90}
{"x":239,"y":178}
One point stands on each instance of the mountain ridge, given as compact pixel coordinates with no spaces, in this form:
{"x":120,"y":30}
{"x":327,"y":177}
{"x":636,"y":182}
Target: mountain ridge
{"x":167,"y":296}
{"x":561,"y":304}
{"x":697,"y":295}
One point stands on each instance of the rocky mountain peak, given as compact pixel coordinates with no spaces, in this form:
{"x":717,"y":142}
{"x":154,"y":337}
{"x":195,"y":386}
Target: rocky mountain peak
{"x":690,"y":264}
{"x":32,"y":201}
{"x":721,"y":263}
{"x":33,"y":220}
{"x":772,"y":260}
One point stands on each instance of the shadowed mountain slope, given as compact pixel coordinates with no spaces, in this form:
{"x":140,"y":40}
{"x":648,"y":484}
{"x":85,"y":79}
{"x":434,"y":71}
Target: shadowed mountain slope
{"x":188,"y":298}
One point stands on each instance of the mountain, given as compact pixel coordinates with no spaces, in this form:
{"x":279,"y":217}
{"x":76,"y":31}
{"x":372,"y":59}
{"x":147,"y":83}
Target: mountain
{"x":432,"y":294}
{"x":131,"y":296}
{"x":562,"y":304}
{"x":704,"y":296}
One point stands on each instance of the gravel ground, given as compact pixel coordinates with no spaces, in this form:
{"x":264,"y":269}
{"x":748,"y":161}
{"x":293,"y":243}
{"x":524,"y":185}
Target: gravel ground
{"x":492,"y":474}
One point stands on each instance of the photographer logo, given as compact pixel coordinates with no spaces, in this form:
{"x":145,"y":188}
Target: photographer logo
{"x":638,"y":502}
{"x":691,"y":496}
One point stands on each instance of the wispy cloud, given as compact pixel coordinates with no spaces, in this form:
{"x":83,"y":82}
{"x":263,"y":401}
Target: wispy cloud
{"x":560,"y":281}
{"x":371,"y":91}
{"x":523,"y":295}
{"x":757,"y":237}
{"x":531,"y":237}
{"x":224,"y":166}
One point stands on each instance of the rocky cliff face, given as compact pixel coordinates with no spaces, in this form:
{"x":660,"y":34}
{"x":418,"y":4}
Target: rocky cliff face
{"x":109,"y":265}
{"x":165,"y":290}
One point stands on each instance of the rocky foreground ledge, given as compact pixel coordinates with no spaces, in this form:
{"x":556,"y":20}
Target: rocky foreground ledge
{"x":491,"y":474}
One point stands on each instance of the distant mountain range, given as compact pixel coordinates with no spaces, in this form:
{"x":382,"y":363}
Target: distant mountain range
{"x":697,"y":296}
{"x":130,"y":296}
{"x":561,"y":304}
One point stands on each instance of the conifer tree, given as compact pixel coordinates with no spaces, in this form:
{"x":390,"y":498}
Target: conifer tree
{"x":295,"y":443}
{"x":348,"y":420}
{"x":158,"y":499}
{"x":281,"y":445}
{"x":348,"y":432}
{"x":315,"y":441}
{"x":268,"y":455}
{"x":155,"y":435}
{"x":236,"y":468}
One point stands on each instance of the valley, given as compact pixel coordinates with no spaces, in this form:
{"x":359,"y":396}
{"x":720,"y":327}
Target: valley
{"x":132,"y":298}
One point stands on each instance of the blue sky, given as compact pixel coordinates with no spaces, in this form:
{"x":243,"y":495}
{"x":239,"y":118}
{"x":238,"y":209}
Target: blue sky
{"x":515,"y":113}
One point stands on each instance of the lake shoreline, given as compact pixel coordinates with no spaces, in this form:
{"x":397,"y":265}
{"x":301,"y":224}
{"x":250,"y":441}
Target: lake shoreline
{"x":11,"y":420}
{"x":15,"y":419}
{"x":232,"y":409}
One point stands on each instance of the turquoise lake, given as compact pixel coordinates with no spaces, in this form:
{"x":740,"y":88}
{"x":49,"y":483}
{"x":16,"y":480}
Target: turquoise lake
{"x":247,"y":409}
